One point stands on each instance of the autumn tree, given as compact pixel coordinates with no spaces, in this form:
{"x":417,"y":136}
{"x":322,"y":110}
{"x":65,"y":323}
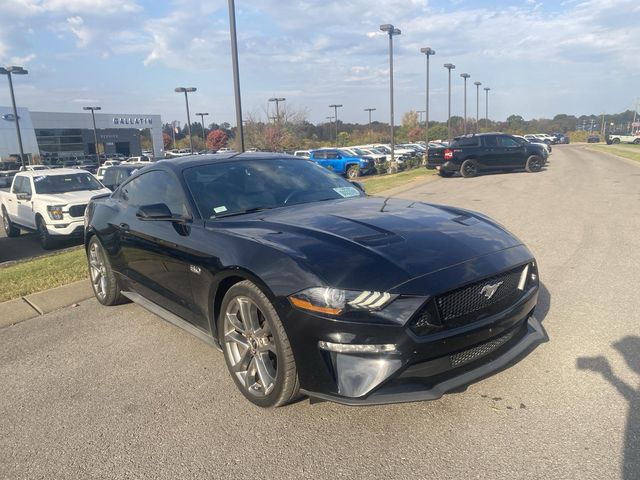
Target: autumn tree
{"x":216,"y":140}
{"x":166,"y":140}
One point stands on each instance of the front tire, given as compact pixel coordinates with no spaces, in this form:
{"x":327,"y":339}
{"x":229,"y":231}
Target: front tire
{"x":9,"y":228}
{"x":469,"y":168}
{"x":46,"y":240}
{"x":616,"y":140}
{"x":353,"y":172}
{"x":534,"y":164}
{"x":103,"y":281}
{"x":256,"y":347}
{"x":637,"y":141}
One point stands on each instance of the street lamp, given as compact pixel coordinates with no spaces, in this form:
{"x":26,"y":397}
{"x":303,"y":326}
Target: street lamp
{"x":464,"y":123}
{"x":277,"y":100}
{"x":428,"y":51}
{"x":236,"y":73}
{"x":202,"y":115}
{"x":186,"y":90}
{"x":486,"y":116}
{"x":391,"y":31}
{"x":8,"y":71}
{"x":369,"y":110}
{"x":330,"y":120}
{"x":477,"y":84}
{"x":449,"y":66}
{"x":95,"y":130}
{"x":335,"y":110}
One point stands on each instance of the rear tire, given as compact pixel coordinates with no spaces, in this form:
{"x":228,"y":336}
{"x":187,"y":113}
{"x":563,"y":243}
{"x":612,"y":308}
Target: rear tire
{"x":256,"y":347}
{"x":469,"y":168}
{"x":103,"y":281}
{"x":9,"y":228}
{"x":534,"y":164}
{"x":46,"y":239}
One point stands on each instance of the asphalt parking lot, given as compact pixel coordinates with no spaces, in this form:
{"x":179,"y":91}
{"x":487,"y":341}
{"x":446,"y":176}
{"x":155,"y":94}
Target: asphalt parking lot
{"x":26,"y":246}
{"x":95,"y":392}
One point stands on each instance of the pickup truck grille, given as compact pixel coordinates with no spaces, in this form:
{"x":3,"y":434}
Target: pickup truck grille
{"x":77,"y":210}
{"x":468,"y":304}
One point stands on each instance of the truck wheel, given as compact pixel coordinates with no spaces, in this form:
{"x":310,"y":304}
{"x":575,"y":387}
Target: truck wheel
{"x":616,"y":140}
{"x":637,"y":141}
{"x":534,"y":164}
{"x":469,"y":168}
{"x":46,"y":240}
{"x":9,"y":228}
{"x":353,"y":172}
{"x":446,"y":173}
{"x":103,"y":281}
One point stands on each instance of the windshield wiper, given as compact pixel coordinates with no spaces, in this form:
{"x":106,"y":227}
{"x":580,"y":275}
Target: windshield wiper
{"x":243,"y":212}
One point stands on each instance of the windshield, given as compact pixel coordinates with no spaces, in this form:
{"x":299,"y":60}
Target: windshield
{"x":243,"y":186}
{"x":72,"y":182}
{"x":360,"y":151}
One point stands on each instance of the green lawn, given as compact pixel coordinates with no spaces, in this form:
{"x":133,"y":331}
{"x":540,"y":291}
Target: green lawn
{"x":625,"y":151}
{"x":378,"y":183}
{"x":42,"y":273}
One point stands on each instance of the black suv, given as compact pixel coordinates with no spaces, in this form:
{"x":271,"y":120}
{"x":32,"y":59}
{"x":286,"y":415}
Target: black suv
{"x":472,"y":154}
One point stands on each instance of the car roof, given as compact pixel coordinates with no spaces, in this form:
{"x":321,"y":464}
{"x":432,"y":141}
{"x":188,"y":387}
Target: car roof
{"x":182,"y":163}
{"x":51,"y":171}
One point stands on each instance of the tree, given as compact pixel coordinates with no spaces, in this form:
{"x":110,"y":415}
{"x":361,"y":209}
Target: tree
{"x":216,"y":140}
{"x":166,"y":140}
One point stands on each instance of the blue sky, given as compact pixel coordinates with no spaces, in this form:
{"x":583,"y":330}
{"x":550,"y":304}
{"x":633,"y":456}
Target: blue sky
{"x":539,"y":58}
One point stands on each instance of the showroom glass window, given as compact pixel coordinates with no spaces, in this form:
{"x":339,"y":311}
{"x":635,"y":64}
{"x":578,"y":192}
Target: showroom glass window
{"x":154,"y":187}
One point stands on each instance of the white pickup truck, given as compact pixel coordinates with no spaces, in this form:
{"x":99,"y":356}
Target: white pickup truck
{"x":49,"y":202}
{"x":618,"y":138}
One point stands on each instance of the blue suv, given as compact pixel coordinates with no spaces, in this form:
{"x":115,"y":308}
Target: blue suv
{"x":342,"y":162}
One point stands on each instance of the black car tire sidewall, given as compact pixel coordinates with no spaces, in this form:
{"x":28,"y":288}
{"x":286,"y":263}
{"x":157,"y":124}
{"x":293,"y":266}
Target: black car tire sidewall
{"x":43,"y":234}
{"x":287,"y":384}
{"x":534,"y":164}
{"x":466,"y":163}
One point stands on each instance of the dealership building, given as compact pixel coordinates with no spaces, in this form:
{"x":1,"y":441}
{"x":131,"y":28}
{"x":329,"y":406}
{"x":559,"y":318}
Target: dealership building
{"x":66,"y":135}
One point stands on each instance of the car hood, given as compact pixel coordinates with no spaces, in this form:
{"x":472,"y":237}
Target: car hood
{"x":82,"y":196}
{"x":374,"y":240}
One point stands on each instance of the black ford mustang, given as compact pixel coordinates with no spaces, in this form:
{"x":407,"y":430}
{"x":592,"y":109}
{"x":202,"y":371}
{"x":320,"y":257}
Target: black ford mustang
{"x":310,"y":286}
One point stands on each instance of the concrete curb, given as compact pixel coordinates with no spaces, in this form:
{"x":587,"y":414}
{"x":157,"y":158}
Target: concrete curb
{"x":36,"y":304}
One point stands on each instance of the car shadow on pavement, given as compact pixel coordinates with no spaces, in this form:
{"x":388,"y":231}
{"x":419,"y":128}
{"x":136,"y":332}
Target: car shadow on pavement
{"x":28,"y":245}
{"x":629,"y":348}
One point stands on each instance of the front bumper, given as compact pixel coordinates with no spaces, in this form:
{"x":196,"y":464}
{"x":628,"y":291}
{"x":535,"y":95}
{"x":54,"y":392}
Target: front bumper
{"x":66,"y":228}
{"x":423,"y":368}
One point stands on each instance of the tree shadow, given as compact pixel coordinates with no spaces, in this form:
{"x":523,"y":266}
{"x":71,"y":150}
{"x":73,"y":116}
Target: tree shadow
{"x":629,"y":348}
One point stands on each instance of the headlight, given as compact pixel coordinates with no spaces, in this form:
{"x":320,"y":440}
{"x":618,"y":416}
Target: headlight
{"x":55,"y":212}
{"x":335,"y":301}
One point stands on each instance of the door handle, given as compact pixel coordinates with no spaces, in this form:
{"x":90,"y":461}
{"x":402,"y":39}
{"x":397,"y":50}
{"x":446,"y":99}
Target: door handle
{"x":124,"y":226}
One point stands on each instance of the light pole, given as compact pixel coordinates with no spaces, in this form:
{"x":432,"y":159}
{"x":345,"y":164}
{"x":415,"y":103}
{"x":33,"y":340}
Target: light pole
{"x":369,"y":110}
{"x":464,"y":123}
{"x":95,"y":131}
{"x":477,"y":84}
{"x":277,"y":100}
{"x":186,"y":90}
{"x":449,"y":67}
{"x":330,"y":120}
{"x":202,"y":115}
{"x":391,"y":31}
{"x":335,"y":110}
{"x":428,"y":51}
{"x":8,"y":71}
{"x":236,"y":73}
{"x":486,"y":115}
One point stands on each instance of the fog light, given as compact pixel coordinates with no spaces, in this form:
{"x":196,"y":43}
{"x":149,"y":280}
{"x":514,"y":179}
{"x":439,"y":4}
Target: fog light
{"x":355,"y":348}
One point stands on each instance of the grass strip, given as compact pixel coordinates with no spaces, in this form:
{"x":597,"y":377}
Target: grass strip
{"x":621,"y":152}
{"x":378,"y":183}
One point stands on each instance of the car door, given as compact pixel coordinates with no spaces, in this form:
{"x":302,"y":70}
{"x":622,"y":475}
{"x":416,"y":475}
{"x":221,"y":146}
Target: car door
{"x":513,"y":151}
{"x":493,"y":157}
{"x":334,"y":161}
{"x":22,"y":208}
{"x":155,"y":252}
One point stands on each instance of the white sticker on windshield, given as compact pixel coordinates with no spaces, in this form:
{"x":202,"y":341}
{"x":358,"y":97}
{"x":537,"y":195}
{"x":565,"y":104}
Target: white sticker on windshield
{"x":347,"y":192}
{"x":220,"y":209}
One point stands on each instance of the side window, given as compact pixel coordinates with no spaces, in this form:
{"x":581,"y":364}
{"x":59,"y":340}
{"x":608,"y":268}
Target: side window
{"x":17,"y":185}
{"x":26,"y":185}
{"x":109,"y":177}
{"x":491,"y":141}
{"x":320,"y":155}
{"x":156,"y":187}
{"x":509,"y":142}
{"x":332,"y":154}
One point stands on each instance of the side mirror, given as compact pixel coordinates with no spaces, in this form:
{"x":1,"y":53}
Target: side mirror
{"x":358,"y":185}
{"x":23,"y":196}
{"x":156,"y":211}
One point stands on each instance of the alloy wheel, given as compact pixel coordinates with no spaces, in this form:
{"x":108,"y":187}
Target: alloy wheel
{"x":470,"y":170}
{"x":250,"y":347}
{"x":98,"y":271}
